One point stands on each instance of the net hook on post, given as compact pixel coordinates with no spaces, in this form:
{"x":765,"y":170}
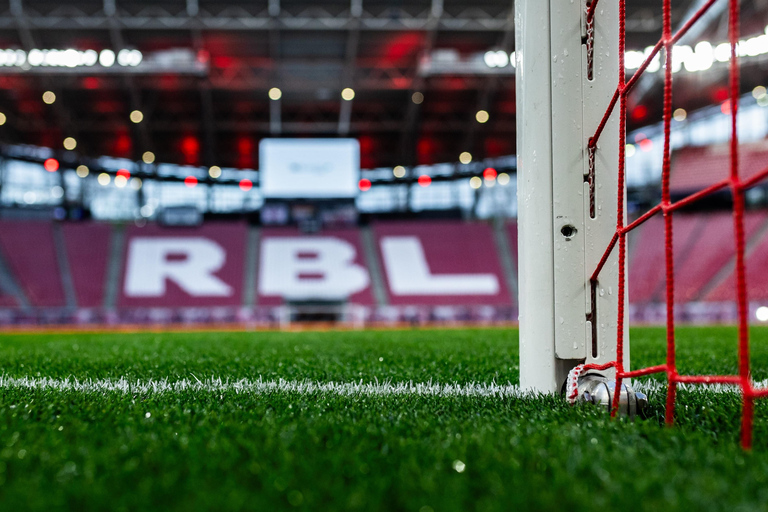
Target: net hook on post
{"x":586,"y":386}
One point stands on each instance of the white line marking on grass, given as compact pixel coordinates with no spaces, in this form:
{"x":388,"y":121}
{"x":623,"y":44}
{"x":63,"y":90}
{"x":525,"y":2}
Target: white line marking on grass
{"x":261,"y":386}
{"x":656,"y":386}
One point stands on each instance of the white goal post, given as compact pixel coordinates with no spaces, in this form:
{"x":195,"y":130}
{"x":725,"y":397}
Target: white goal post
{"x":567,"y":215}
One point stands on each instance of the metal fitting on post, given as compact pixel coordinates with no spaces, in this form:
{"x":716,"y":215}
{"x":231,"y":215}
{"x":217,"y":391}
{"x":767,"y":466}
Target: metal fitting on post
{"x":595,"y":389}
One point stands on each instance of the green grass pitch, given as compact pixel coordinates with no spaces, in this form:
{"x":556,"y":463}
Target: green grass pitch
{"x":223,"y":448}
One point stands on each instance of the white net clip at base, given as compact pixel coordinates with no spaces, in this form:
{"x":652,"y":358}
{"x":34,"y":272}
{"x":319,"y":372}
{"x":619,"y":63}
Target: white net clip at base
{"x":572,"y":384}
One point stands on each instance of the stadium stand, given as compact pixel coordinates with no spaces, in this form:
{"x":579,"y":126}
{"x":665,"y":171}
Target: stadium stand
{"x":393,"y":271}
{"x":462,"y":265}
{"x":757,"y":277}
{"x":183,"y":267}
{"x":646,"y":267}
{"x":695,"y":168}
{"x":29,"y":251}
{"x":7,"y":301}
{"x":87,"y":247}
{"x":306,"y":273}
{"x":703,"y":243}
{"x":646,"y":260}
{"x":711,"y":251}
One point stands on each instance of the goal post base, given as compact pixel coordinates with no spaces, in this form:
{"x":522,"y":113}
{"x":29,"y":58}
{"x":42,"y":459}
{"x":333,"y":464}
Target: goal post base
{"x":567,"y":192}
{"x":594,"y":388}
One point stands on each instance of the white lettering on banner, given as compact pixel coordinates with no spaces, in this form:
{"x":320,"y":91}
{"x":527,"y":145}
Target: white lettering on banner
{"x":307,"y":268}
{"x":188,"y":262}
{"x":409,"y":274}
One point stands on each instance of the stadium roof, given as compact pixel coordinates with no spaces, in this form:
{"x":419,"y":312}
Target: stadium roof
{"x":208,"y":65}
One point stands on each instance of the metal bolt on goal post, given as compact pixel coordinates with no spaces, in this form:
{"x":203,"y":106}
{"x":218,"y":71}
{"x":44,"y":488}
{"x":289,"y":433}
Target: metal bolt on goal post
{"x":572,"y":94}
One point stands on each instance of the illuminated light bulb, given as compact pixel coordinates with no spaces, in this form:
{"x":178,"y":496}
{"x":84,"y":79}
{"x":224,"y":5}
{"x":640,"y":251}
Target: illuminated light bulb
{"x":190,"y":181}
{"x":646,"y":145}
{"x":502,"y":59}
{"x":490,"y":59}
{"x":148,"y":157}
{"x":136,"y":183}
{"x":137,"y":116}
{"x":125,"y":173}
{"x":629,"y":150}
{"x":704,"y":55}
{"x":275,"y":94}
{"x":51,"y":165}
{"x":214,"y":172}
{"x":762,"y":313}
{"x":246,"y":185}
{"x":754,"y":46}
{"x":104,"y":179}
{"x":364,"y":185}
{"x":107,"y":58}
{"x":489,"y":174}
{"x":723,"y":52}
{"x":475,"y":182}
{"x":20,"y":57}
{"x":70,"y":143}
{"x":51,"y":58}
{"x":417,"y":98}
{"x":71,"y":58}
{"x":125,"y":58}
{"x":82,"y":171}
{"x":49,"y":97}
{"x":655,"y":63}
{"x":3,"y":119}
{"x":398,"y":171}
{"x":90,"y":58}
{"x":120,"y":181}
{"x":639,"y":112}
{"x":136,"y":58}
{"x":503,"y":179}
{"x":758,"y":91}
{"x":425,"y":180}
{"x":679,"y":115}
{"x":34,"y":58}
{"x":496,"y":58}
{"x":680,"y":55}
{"x":348,"y":94}
{"x":465,"y":157}
{"x":633,"y":59}
{"x":482,"y":116}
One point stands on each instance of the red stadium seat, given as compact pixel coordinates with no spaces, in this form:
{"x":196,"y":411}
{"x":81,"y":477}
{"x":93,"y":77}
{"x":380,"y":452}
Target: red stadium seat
{"x":28,"y":248}
{"x":87,"y":247}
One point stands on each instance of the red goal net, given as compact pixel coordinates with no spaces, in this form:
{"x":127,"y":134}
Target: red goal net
{"x":667,"y":208}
